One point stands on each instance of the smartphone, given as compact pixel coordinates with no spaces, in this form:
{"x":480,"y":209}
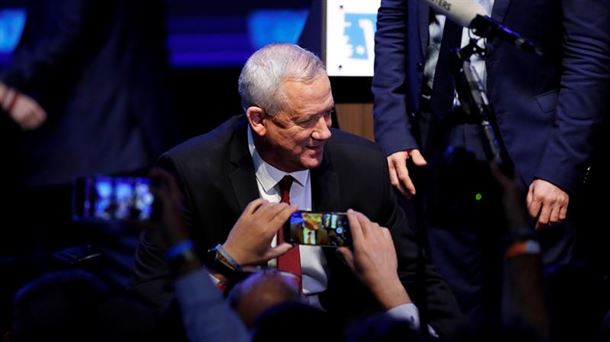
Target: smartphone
{"x":80,"y":255}
{"x":108,"y":198}
{"x":326,"y":229}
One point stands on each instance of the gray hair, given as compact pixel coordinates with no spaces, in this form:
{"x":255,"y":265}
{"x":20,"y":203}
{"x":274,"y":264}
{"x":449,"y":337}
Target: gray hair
{"x":262,"y":75}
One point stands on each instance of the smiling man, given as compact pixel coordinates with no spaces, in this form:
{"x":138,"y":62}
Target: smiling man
{"x":286,"y":131}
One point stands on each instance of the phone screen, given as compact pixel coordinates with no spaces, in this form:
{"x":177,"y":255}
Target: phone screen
{"x":106,"y":198}
{"x":327,"y":229}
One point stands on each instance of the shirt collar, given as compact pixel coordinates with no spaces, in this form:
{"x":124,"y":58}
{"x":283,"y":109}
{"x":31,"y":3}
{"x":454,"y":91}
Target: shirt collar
{"x":268,"y":175}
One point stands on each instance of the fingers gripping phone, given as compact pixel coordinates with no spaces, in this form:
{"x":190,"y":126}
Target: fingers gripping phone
{"x":325,"y":229}
{"x":106,"y":198}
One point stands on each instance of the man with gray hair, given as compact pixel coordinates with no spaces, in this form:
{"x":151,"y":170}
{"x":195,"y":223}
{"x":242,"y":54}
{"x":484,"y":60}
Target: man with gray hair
{"x":235,"y":171}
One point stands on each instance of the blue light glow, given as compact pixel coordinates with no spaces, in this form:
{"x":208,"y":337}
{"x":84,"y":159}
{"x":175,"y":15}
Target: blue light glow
{"x":275,"y":26}
{"x":12,"y":22}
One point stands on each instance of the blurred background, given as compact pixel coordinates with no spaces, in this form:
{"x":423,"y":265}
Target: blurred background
{"x":208,"y":42}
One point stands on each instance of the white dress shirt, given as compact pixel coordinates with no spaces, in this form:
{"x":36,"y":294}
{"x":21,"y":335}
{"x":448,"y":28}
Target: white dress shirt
{"x":435,"y":31}
{"x":313,"y":262}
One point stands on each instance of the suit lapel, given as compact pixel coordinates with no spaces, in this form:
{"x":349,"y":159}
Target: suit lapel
{"x":241,"y":171}
{"x":324,"y":180}
{"x":325,"y":184}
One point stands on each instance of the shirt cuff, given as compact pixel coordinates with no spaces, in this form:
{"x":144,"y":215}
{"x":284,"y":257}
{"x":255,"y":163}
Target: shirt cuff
{"x":409,"y":313}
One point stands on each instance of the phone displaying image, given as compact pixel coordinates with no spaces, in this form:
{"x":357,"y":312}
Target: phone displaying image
{"x":106,"y":198}
{"x":326,"y":229}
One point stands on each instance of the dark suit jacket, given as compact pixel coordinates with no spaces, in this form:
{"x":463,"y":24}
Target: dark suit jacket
{"x":218,"y":180}
{"x":98,"y":67}
{"x":547,"y":107}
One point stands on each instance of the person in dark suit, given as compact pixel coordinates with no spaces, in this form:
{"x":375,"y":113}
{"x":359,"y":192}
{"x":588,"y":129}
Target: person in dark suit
{"x":98,"y":69}
{"x":286,"y":130}
{"x":84,"y":94}
{"x":86,"y":91}
{"x":547,"y":109}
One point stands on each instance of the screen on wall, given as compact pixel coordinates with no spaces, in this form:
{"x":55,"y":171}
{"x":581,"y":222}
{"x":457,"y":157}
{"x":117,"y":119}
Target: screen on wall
{"x":349,"y":35}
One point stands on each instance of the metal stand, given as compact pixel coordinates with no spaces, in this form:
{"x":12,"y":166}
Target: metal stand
{"x":475,"y":104}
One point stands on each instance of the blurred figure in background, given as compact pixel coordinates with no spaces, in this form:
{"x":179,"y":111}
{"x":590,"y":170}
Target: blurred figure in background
{"x":85,"y":94}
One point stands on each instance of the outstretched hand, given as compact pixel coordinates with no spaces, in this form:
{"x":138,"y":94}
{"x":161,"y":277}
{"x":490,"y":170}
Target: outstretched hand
{"x":399,"y":173}
{"x":249,"y":241}
{"x":374,"y":260}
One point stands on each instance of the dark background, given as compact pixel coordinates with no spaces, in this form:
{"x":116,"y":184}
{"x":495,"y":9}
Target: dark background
{"x":208,"y":42}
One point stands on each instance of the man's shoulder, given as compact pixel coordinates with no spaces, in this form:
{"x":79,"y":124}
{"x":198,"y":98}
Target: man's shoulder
{"x":210,"y":143}
{"x":349,"y":144}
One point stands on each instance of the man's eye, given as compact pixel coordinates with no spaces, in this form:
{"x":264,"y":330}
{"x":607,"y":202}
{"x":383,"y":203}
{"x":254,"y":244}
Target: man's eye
{"x":313,"y":118}
{"x":308,"y":120}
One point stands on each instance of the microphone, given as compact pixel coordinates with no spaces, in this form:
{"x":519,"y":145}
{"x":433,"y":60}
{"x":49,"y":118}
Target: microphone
{"x":471,"y":14}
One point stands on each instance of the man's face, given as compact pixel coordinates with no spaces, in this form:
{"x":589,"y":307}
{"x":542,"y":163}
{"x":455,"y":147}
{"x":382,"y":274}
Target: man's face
{"x":294,"y":138}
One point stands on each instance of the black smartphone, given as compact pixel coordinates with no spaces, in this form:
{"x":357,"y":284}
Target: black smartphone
{"x":109,"y":198}
{"x":326,"y":229}
{"x":79,"y":255}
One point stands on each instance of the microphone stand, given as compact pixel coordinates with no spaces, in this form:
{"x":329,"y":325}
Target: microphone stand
{"x":475,"y":104}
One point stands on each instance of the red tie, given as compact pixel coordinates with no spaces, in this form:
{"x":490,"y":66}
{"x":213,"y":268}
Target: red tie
{"x":290,"y":261}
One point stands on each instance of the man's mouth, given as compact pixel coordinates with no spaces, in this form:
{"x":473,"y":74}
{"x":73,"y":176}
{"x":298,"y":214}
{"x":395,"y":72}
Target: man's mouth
{"x":316,"y":148}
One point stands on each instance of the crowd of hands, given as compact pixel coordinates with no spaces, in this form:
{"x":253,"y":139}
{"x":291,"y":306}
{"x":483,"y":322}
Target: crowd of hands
{"x":372,"y":256}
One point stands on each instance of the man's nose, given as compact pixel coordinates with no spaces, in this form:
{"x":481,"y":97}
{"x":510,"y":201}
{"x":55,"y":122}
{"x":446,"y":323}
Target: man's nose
{"x":322,"y":128}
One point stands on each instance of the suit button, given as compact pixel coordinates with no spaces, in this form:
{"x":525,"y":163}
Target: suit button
{"x":420,"y":66}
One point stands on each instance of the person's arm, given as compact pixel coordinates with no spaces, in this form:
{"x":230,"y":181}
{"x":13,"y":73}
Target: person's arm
{"x":248,"y":243}
{"x":47,"y":57}
{"x":205,"y":314}
{"x":374,"y":260}
{"x":392,"y":125}
{"x":584,"y":87}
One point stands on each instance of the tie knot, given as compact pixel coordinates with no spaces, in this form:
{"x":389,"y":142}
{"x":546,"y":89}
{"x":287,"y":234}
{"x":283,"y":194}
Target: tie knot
{"x":285,"y":185}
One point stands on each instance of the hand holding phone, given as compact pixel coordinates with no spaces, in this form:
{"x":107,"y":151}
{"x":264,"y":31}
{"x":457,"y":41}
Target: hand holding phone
{"x":107,"y":198}
{"x":325,"y":229}
{"x":373,"y":259}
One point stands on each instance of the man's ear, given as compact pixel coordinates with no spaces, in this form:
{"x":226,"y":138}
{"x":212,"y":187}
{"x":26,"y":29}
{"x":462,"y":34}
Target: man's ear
{"x":256,"y":116}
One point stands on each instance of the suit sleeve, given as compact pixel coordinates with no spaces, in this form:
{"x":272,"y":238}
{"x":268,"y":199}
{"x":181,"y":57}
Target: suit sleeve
{"x":152,"y":278}
{"x":584,"y":88}
{"x":392,"y":126}
{"x":65,"y":29}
